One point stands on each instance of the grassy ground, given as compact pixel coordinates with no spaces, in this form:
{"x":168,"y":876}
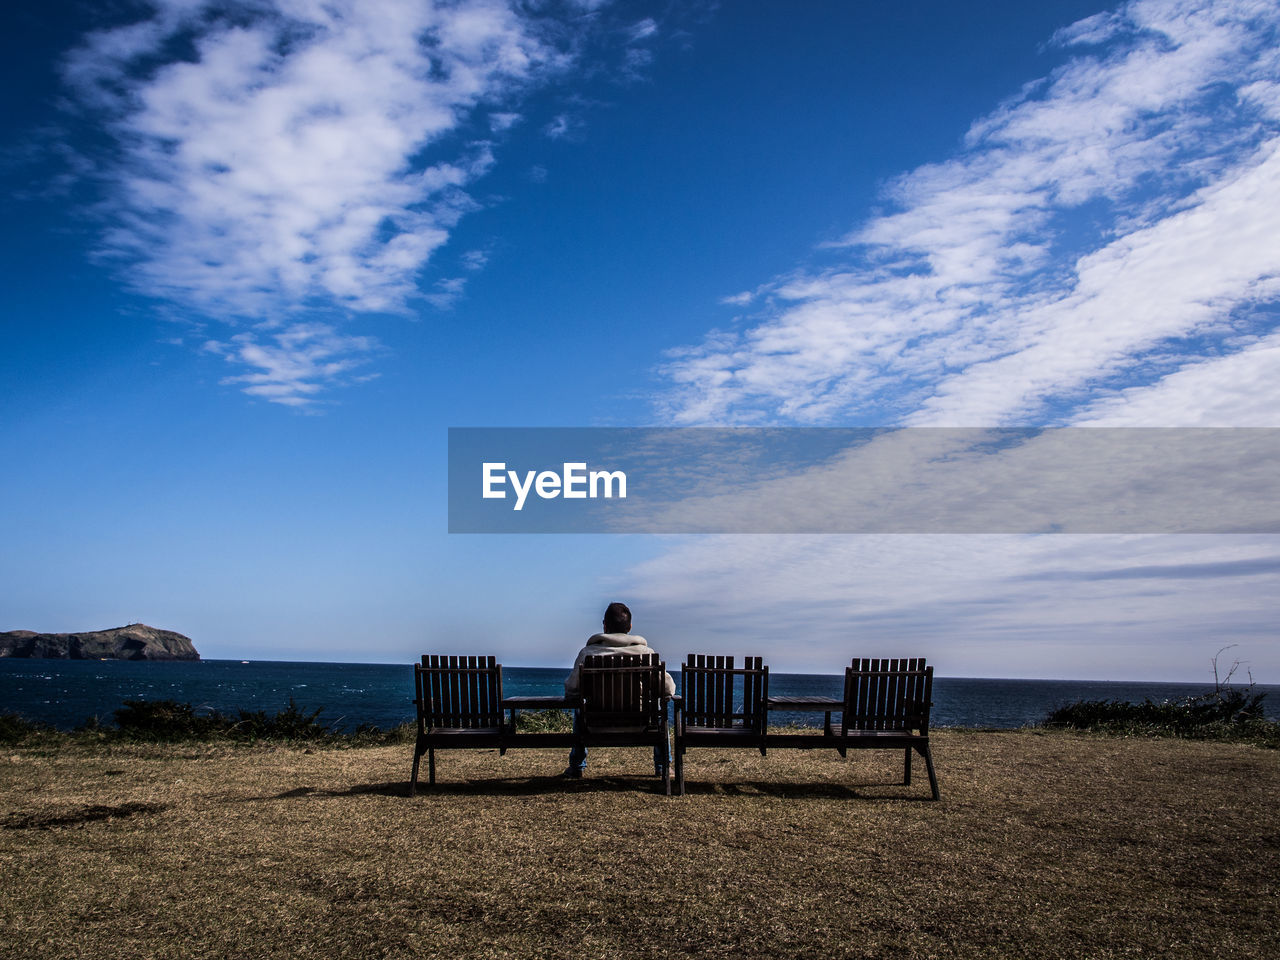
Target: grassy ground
{"x":1045,"y":844}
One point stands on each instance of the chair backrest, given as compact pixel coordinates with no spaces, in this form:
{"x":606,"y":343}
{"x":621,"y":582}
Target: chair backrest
{"x":887,"y":695}
{"x":622,"y":692}
{"x":717,"y":695}
{"x":459,"y":693}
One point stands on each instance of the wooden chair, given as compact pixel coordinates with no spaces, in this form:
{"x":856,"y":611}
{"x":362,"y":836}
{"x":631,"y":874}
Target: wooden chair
{"x":459,"y":701}
{"x":886,"y":705}
{"x":720,"y":706}
{"x":624,"y":703}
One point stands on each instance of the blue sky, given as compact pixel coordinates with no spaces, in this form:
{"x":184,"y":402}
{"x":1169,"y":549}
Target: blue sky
{"x":259,"y":257}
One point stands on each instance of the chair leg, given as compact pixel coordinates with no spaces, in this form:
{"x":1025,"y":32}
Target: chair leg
{"x":666,"y":748}
{"x":413,"y":778}
{"x":906,"y":769}
{"x":933,"y":777}
{"x":431,"y":765}
{"x":679,"y":761}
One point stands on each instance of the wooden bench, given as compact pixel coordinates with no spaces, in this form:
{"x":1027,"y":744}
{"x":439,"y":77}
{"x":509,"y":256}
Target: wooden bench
{"x":720,"y":706}
{"x":460,"y":706}
{"x":885,"y":706}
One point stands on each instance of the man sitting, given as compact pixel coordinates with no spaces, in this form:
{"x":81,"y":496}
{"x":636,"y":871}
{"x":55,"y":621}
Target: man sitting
{"x":617,"y":638}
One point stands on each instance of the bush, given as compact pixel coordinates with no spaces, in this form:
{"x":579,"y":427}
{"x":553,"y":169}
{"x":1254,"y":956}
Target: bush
{"x":1224,"y":713}
{"x":169,"y":720}
{"x":368,"y":735}
{"x":1232,"y":707}
{"x":545,"y":721}
{"x":289,"y":724}
{"x":152,"y":720}
{"x":15,"y":728}
{"x":166,"y":720}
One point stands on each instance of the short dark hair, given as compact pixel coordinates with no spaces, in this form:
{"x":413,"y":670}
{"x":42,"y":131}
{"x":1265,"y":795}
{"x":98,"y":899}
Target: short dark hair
{"x":617,"y":618}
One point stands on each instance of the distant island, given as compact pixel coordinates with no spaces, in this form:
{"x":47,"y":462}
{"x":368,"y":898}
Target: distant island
{"x":137,"y":641}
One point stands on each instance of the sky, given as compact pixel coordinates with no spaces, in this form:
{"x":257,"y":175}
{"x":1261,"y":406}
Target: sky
{"x":260,"y":257}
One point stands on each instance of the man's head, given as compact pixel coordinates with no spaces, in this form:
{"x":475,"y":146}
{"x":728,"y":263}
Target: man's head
{"x":617,"y":618}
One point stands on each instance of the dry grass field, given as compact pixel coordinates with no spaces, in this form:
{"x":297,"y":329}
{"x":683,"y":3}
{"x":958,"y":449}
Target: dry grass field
{"x":1045,"y":844}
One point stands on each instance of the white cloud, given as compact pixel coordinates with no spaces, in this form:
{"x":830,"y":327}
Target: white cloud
{"x":1003,"y":606}
{"x":503,"y":121}
{"x":293,"y":160}
{"x":1100,"y":250}
{"x":560,"y":127}
{"x":1185,"y":275}
{"x":447,"y":292}
{"x":280,"y":165}
{"x":1240,"y":389}
{"x":1067,"y":480}
{"x":293,"y":365}
{"x":642,"y":30}
{"x":1088,"y":229}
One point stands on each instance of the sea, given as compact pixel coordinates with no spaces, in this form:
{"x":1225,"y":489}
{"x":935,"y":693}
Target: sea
{"x":66,"y":693}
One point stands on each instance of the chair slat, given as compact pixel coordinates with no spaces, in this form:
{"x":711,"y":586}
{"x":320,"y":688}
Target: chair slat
{"x":888,"y":694}
{"x":623,"y":691}
{"x":459,"y":692}
{"x":720,"y":695}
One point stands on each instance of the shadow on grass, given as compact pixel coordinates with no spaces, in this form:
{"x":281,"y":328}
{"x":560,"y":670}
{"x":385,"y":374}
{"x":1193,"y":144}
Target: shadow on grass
{"x":808,"y":791}
{"x":551,"y":785}
{"x":497,"y":786}
{"x":18,"y":821}
{"x":536,"y":786}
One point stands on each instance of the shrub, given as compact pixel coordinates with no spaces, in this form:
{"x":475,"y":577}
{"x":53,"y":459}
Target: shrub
{"x":545,"y":721}
{"x":1224,"y":713}
{"x":152,"y":720}
{"x":1230,"y":707}
{"x":170,"y":720}
{"x":289,"y":724}
{"x":165,"y":720}
{"x":15,"y":728}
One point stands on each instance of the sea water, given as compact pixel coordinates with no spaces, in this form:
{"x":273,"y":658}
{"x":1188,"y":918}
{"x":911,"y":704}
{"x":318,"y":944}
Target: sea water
{"x":65,"y":693}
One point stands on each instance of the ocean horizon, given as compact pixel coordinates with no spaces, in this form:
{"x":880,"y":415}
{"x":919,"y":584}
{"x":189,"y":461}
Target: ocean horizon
{"x":66,"y":693}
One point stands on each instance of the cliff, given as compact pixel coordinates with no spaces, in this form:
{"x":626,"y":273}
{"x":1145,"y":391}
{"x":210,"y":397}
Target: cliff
{"x":137,"y":641}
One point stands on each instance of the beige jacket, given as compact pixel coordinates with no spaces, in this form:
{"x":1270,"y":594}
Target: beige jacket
{"x":608,"y":645}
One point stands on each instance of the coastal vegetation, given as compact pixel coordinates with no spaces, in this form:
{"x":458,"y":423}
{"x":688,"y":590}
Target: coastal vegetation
{"x":1234,"y":715}
{"x":1227,"y":712}
{"x":168,"y":721}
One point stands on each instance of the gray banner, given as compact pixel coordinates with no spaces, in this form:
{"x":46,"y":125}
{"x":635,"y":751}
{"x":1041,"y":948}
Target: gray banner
{"x":910,"y":480}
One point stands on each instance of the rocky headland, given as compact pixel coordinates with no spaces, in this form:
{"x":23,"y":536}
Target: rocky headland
{"x":137,"y":641}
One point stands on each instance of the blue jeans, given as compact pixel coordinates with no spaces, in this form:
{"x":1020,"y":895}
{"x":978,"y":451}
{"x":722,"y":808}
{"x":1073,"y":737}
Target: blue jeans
{"x":578,"y":755}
